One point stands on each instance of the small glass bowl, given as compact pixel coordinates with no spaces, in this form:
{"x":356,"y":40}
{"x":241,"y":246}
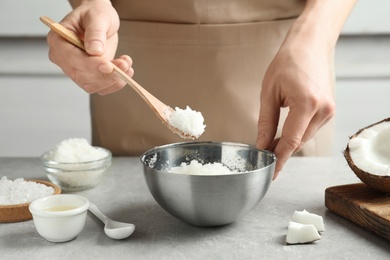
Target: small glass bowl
{"x":76,"y":176}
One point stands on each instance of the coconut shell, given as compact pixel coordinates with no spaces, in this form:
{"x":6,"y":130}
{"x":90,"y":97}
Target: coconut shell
{"x":377,"y":182}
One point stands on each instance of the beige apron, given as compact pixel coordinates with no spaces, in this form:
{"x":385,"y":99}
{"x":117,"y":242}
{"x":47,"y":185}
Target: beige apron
{"x":210,"y":55}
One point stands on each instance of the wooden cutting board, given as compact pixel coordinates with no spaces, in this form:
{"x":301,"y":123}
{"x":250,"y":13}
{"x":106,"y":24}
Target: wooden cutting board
{"x":362,"y":205}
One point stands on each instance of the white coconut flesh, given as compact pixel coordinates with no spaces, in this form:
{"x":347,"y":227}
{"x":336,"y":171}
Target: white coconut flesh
{"x":301,"y":233}
{"x":304,"y":228}
{"x":370,"y":149}
{"x":305,"y":217}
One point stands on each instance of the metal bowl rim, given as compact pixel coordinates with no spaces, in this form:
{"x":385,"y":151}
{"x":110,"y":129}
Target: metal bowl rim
{"x":252,"y":147}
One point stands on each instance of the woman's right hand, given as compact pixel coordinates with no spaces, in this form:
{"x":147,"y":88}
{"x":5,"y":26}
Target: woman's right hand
{"x":96,"y":23}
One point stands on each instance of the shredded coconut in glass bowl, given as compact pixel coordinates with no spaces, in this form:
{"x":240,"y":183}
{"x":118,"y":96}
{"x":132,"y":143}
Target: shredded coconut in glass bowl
{"x":76,"y":150}
{"x":75,"y":165}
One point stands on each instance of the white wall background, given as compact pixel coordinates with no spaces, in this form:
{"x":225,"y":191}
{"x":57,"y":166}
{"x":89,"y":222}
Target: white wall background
{"x":362,"y":70}
{"x":40,"y":107}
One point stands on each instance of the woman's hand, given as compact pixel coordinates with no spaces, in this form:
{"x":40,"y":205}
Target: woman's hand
{"x":96,"y":23}
{"x":301,"y":78}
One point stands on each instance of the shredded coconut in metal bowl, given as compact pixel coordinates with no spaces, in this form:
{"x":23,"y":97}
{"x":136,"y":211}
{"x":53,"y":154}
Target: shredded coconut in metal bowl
{"x":19,"y":191}
{"x":197,"y":168}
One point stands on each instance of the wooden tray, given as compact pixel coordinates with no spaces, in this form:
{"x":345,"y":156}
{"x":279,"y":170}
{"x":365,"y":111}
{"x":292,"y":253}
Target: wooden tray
{"x":362,"y":205}
{"x":20,"y":212}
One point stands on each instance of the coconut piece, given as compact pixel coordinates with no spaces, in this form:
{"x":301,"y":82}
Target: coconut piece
{"x":298,"y":233}
{"x":305,"y":217}
{"x":368,"y":155}
{"x":189,"y":121}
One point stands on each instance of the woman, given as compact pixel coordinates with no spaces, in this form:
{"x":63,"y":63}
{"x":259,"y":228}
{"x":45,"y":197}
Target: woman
{"x":227,"y":59}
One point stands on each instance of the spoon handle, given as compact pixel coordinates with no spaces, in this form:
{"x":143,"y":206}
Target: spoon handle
{"x":162,"y":110}
{"x":97,"y":213}
{"x":158,"y":107}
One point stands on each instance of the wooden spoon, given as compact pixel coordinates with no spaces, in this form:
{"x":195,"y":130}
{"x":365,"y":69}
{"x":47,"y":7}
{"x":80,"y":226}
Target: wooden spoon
{"x":160,"y":109}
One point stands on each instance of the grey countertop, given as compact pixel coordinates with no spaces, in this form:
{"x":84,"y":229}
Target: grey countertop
{"x":259,"y":235}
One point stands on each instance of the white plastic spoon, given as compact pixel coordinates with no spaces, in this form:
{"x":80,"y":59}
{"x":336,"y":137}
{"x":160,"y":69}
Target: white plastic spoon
{"x":113,"y":229}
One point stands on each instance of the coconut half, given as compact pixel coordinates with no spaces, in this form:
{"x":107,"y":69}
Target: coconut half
{"x":368,"y":155}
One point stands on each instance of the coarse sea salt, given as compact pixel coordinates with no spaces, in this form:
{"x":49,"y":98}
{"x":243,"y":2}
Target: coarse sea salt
{"x":197,"y":168}
{"x":19,"y":191}
{"x":76,"y":150}
{"x":189,"y":121}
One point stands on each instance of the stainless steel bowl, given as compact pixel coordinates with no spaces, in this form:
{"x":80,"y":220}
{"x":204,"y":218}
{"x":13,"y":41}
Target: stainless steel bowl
{"x":208,"y":200}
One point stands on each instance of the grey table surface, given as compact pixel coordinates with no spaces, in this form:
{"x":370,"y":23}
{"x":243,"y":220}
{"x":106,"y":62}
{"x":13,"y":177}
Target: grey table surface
{"x":260,"y":234}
